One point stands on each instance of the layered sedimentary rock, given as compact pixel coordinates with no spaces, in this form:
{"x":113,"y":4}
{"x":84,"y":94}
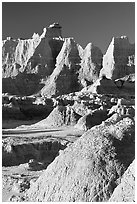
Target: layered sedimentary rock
{"x":89,"y":168}
{"x":91,"y":64}
{"x":27,"y":62}
{"x":125,"y":191}
{"x":64,"y":78}
{"x":119,"y":59}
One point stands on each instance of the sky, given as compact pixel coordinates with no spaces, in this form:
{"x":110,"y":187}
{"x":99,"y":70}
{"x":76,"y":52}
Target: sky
{"x":95,"y":22}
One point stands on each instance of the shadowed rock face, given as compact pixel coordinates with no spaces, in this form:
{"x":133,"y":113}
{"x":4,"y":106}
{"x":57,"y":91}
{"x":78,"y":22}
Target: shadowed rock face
{"x":102,"y":86}
{"x":64,"y":78}
{"x":125,"y":191}
{"x":17,"y":152}
{"x":119,"y":59}
{"x":89,"y":120}
{"x":53,"y":31}
{"x":89,"y":168}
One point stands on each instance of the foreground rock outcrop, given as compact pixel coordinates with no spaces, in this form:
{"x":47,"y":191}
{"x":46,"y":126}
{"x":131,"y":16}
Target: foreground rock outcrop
{"x":119,"y":59}
{"x":125,"y":191}
{"x":89,"y":169}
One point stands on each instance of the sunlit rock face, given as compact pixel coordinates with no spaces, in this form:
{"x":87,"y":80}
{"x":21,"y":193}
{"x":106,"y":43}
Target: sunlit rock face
{"x":91,"y":64}
{"x":29,"y":61}
{"x":119,"y":58}
{"x":15,"y":55}
{"x":125,"y":191}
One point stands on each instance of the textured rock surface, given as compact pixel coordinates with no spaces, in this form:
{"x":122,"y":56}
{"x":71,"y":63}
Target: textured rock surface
{"x":88,"y":169}
{"x":125,"y":191}
{"x":91,"y":64}
{"x":119,"y":58}
{"x":64,"y":78}
{"x":15,"y":55}
{"x":28,"y":62}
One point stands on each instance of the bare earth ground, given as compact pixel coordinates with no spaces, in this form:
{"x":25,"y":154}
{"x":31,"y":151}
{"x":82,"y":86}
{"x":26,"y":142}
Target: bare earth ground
{"x":16,"y":179}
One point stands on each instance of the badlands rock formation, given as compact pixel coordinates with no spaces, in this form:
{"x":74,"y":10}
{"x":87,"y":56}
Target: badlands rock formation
{"x":64,"y":78}
{"x":50,"y":65}
{"x":119,"y":59}
{"x":27,"y":62}
{"x":89,"y":169}
{"x":53,"y":92}
{"x":91,"y":64}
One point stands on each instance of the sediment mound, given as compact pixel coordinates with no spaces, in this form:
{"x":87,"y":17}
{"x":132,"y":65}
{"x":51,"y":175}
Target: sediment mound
{"x":88,"y":169}
{"x":55,"y":119}
{"x":125,"y":191}
{"x":61,"y":115}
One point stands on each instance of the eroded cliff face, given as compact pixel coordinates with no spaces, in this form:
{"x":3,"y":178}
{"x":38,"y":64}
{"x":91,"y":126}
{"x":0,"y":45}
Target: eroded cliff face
{"x":27,"y":62}
{"x":50,"y":65}
{"x":91,"y":64}
{"x":119,"y":59}
{"x":15,"y":55}
{"x":64,"y":78}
